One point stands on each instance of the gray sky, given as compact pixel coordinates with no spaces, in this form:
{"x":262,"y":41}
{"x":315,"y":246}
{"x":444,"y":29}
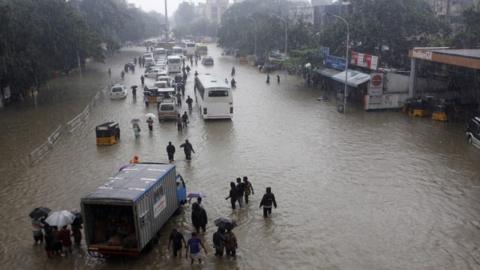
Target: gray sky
{"x":159,"y":5}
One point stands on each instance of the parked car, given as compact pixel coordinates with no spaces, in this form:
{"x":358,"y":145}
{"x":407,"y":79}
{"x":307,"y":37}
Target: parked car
{"x":207,"y":61}
{"x":152,"y":73}
{"x":118,"y":91}
{"x":167,"y":109}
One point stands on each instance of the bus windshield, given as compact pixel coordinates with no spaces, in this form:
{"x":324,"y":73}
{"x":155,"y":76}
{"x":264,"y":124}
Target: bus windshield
{"x":218,"y":93}
{"x":174,"y":61}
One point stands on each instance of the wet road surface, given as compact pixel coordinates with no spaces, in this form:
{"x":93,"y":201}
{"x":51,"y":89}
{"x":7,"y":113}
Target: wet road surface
{"x":355,"y":191}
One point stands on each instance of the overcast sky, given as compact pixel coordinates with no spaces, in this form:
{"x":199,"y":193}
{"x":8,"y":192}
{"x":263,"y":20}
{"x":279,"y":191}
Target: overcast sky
{"x":159,"y":5}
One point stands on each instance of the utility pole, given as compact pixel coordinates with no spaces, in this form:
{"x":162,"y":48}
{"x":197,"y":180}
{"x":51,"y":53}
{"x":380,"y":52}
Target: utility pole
{"x":167,"y":30}
{"x":346,"y":60}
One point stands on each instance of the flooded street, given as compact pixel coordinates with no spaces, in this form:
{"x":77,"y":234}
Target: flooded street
{"x":362,"y":190}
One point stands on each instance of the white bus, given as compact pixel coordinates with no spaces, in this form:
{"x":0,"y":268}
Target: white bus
{"x":214,"y":98}
{"x":190,"y":49}
{"x":159,"y":53}
{"x":177,"y":51}
{"x":174,"y":63}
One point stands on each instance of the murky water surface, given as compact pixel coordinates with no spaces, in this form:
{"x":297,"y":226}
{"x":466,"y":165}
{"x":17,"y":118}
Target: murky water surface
{"x":373,"y":190}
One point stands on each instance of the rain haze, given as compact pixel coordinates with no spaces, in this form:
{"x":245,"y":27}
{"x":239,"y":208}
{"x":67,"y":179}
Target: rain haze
{"x":159,"y":5}
{"x":245,"y":134}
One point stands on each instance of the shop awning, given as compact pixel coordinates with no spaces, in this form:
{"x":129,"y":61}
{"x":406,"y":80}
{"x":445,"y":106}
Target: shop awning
{"x":354,"y":79}
{"x":468,"y":58}
{"x":327,"y":72}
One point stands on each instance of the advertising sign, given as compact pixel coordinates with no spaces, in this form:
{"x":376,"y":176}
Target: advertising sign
{"x":375,"y":87}
{"x":159,"y":206}
{"x":324,"y":51}
{"x":335,"y":62}
{"x":422,"y":54}
{"x":364,"y":60}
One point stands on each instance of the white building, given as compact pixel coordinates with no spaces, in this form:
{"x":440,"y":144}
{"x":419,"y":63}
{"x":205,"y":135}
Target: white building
{"x":301,"y":10}
{"x":214,"y":10}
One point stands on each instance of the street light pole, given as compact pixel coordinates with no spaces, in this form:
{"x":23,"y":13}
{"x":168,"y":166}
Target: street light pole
{"x":254,"y":37}
{"x":167,"y":34}
{"x":346,"y":60}
{"x":286,"y":37}
{"x":286,"y":32}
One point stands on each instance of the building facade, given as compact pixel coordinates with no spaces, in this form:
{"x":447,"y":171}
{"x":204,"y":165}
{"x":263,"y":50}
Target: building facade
{"x":301,"y":11}
{"x":214,"y":10}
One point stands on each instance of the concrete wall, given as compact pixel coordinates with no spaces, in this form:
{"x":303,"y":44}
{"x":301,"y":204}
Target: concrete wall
{"x":396,"y":83}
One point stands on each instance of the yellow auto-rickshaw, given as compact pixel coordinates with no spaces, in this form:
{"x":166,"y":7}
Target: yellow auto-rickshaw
{"x":108,"y":133}
{"x":440,"y":113}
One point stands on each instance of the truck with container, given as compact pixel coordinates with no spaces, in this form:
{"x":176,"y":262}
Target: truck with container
{"x":125,"y":215}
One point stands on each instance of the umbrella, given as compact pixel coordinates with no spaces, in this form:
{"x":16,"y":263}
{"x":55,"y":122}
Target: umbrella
{"x":150,"y":115}
{"x":39,"y":212}
{"x":60,"y":218}
{"x":195,"y":195}
{"x":135,"y":120}
{"x":225,"y":223}
{"x":78,"y":218}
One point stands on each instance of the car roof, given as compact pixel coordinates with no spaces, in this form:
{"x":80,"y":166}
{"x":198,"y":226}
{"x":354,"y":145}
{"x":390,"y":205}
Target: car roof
{"x":167,"y":89}
{"x":168,"y":101}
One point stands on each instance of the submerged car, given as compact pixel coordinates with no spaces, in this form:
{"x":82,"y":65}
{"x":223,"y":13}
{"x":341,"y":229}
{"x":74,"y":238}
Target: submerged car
{"x":118,"y":91}
{"x":207,"y":61}
{"x":167,"y":110}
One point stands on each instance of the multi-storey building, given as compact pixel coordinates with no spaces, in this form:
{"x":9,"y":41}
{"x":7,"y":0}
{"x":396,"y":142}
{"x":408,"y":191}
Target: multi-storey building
{"x":214,"y":10}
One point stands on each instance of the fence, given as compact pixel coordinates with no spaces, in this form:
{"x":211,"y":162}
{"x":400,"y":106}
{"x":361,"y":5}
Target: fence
{"x":41,"y":151}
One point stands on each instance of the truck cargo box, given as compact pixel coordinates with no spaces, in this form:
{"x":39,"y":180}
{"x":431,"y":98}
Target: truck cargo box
{"x":122,"y":216}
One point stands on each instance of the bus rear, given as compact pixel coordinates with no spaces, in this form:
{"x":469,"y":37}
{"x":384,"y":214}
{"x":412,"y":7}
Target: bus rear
{"x":190,"y":49}
{"x":218,"y":103}
{"x":201,"y":49}
{"x":174,"y":64}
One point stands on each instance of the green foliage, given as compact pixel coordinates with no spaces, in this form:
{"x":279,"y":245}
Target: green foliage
{"x":187,"y":23}
{"x":115,"y":22}
{"x":394,"y":25}
{"x":38,"y":38}
{"x":469,"y":35}
{"x":263,"y":20}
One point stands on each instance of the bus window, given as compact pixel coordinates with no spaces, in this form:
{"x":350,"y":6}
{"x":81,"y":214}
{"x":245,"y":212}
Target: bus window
{"x":218,"y":93}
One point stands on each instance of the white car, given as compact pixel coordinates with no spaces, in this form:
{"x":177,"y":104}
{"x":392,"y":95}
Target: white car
{"x":118,"y":91}
{"x":152,"y":73}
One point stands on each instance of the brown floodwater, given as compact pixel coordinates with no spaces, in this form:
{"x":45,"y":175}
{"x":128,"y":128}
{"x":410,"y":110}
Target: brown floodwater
{"x":375,"y":190}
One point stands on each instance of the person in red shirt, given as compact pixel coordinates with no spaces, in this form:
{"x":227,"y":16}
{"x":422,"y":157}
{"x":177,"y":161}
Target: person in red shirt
{"x":64,"y":237}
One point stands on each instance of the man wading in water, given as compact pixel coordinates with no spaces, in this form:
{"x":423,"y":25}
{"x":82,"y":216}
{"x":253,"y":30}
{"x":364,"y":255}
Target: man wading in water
{"x":267,"y":201}
{"x":188,"y":149}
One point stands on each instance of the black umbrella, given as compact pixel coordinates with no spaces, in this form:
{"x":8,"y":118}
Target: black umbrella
{"x":40,"y":212}
{"x":78,"y":218}
{"x":225,"y":223}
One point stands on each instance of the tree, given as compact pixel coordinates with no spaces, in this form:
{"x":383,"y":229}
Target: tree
{"x":187,"y":23}
{"x":388,"y":28}
{"x":469,"y":34}
{"x":39,"y":38}
{"x":263,"y":20}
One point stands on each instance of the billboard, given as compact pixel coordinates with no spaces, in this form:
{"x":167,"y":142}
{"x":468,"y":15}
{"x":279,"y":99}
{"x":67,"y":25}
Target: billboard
{"x":364,"y":60}
{"x":335,"y":62}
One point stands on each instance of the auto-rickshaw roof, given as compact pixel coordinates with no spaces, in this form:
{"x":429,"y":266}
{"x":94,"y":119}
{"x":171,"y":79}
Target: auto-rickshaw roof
{"x":107,"y":125}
